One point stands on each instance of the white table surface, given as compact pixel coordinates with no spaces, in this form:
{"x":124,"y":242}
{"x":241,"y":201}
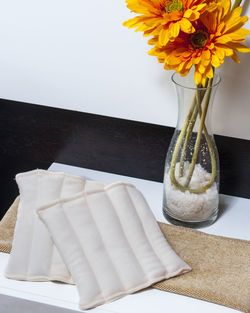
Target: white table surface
{"x":48,"y":297}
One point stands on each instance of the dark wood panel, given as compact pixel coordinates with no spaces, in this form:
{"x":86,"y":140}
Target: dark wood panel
{"x":45,"y":134}
{"x":235,"y":166}
{"x":92,"y":141}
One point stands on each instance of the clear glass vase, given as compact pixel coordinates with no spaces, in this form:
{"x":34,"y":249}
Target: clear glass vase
{"x":191,"y":177}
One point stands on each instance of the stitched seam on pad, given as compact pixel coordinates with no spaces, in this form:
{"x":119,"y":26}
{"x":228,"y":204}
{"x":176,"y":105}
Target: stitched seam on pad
{"x":81,"y":194}
{"x":125,"y":235}
{"x":53,"y":245}
{"x":149,"y":242}
{"x":33,"y":225}
{"x":41,"y":172}
{"x":109,"y":256}
{"x":82,"y":250}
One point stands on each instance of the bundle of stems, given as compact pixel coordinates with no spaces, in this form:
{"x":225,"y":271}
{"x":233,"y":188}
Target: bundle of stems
{"x":196,"y":109}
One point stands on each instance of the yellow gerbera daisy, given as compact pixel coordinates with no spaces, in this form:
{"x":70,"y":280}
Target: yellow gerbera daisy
{"x":218,"y":35}
{"x":165,"y":18}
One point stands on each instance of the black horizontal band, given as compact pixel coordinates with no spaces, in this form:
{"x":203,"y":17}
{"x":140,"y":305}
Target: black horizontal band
{"x":33,"y":136}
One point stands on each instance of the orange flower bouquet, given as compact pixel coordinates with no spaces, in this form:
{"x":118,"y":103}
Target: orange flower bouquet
{"x":192,"y":36}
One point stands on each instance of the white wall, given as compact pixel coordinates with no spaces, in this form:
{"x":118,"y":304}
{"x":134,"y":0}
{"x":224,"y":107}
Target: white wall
{"x":75,"y":54}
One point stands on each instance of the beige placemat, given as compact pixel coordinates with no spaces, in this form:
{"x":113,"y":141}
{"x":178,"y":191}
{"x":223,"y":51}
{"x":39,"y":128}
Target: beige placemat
{"x":221,"y":266}
{"x":7,"y":226}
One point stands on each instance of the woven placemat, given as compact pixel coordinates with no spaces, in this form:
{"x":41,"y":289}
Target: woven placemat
{"x":221,"y":266}
{"x":7,"y":227}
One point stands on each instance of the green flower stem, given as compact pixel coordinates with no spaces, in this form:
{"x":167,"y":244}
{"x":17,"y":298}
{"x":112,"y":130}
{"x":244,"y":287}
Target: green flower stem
{"x":199,"y":95}
{"x":187,"y":139}
{"x":178,"y":146}
{"x":211,"y":152}
{"x":198,"y":139}
{"x":236,"y":4}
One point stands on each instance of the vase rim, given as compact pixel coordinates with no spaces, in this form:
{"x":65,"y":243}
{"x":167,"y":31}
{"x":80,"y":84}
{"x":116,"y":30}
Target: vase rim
{"x":216,"y":77}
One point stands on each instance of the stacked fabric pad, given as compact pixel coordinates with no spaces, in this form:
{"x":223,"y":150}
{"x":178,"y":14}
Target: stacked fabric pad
{"x":104,"y":239}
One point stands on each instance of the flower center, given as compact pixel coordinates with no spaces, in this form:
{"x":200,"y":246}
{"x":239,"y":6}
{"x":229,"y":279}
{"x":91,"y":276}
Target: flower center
{"x":199,"y":39}
{"x":174,"y":5}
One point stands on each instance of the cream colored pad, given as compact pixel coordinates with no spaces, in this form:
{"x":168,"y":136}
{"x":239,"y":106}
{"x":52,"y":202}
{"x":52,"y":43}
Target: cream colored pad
{"x":33,"y":255}
{"x":111,"y":243}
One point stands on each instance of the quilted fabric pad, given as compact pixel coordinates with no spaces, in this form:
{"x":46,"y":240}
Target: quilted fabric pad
{"x":33,"y":255}
{"x":111,"y":243}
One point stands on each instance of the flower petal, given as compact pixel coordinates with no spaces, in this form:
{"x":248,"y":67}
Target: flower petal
{"x":210,"y":72}
{"x":186,"y":26}
{"x":197,"y":77}
{"x":215,"y":61}
{"x":235,"y":58}
{"x":163,"y":37}
{"x":174,"y":29}
{"x":240,"y":48}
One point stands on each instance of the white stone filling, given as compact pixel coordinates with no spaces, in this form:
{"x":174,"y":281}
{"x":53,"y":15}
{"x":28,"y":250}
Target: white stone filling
{"x":189,"y":206}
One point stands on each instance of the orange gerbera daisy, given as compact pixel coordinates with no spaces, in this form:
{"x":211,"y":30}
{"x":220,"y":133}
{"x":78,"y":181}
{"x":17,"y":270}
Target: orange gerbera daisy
{"x":165,"y":18}
{"x":218,"y":35}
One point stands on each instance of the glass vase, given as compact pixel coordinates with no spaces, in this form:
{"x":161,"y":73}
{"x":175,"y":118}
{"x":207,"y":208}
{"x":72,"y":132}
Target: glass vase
{"x":191,"y":176}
